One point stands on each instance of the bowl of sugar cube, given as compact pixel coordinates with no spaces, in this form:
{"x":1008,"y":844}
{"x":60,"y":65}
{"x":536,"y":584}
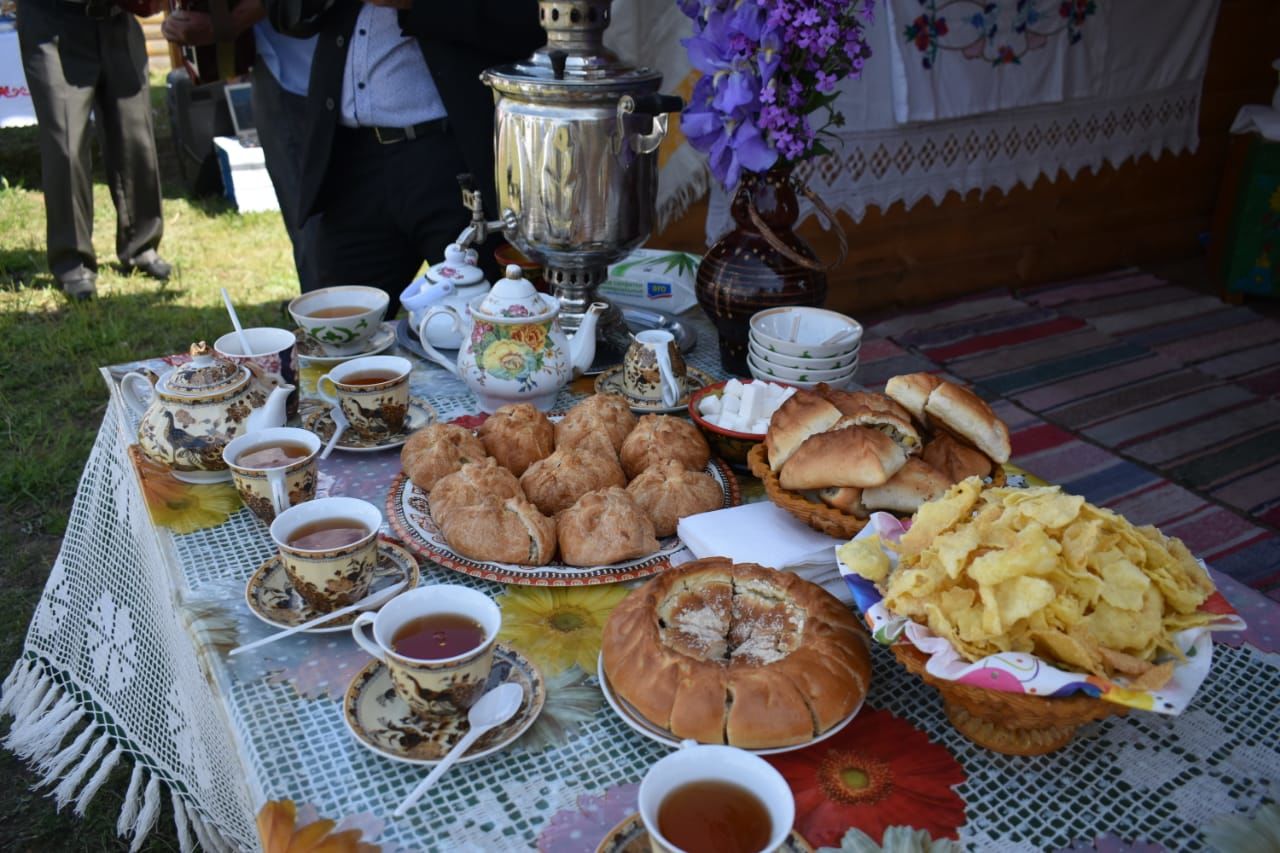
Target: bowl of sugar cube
{"x":734,"y":415}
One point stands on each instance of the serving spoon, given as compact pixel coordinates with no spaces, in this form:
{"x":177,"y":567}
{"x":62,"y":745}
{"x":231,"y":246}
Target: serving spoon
{"x":493,"y":709}
{"x":245,"y":349}
{"x":340,"y":424}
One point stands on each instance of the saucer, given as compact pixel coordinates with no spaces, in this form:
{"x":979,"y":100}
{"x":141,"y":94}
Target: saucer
{"x":610,"y":382}
{"x":630,"y":836}
{"x":271,"y":597}
{"x":421,"y":413}
{"x":311,"y":353}
{"x":381,"y":721}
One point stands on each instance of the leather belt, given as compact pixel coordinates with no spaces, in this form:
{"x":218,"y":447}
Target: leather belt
{"x":392,"y":135}
{"x":98,"y":10}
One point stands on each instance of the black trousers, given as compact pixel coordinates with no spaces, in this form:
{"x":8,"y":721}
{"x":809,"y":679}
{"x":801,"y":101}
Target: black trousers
{"x":280,"y":117}
{"x":75,"y":65}
{"x":387,"y":208}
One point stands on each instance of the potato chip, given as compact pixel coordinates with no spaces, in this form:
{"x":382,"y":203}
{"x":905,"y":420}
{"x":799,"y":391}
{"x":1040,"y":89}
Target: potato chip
{"x":865,"y":558}
{"x":1036,"y":570}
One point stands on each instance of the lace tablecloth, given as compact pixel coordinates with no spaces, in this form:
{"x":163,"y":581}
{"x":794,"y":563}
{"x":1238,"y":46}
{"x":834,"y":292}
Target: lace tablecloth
{"x":134,"y":625}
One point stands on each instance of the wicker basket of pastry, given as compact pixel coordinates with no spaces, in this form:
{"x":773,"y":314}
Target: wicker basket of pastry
{"x":831,"y":458}
{"x":737,"y":653}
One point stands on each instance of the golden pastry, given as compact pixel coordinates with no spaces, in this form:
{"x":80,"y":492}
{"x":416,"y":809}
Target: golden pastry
{"x":555,"y":483}
{"x":605,"y":526}
{"x":517,"y":435}
{"x":609,"y":414}
{"x":659,"y":437}
{"x":667,"y":491}
{"x":469,"y":485}
{"x":438,"y":450}
{"x":504,"y":530}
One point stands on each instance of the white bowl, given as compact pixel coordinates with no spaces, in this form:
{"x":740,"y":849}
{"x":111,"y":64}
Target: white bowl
{"x":347,"y":334}
{"x":815,"y":326}
{"x":799,"y":363}
{"x":799,"y":378}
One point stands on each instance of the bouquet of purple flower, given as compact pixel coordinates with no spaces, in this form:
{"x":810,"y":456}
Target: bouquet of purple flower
{"x":768,"y":66}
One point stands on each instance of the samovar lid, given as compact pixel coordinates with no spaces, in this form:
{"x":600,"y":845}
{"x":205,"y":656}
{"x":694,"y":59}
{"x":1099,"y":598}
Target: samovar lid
{"x":574,"y":59}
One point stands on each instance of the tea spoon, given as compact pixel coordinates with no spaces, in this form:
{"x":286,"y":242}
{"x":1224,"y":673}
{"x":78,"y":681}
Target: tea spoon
{"x":340,"y":424}
{"x":493,"y":709}
{"x":245,"y":349}
{"x":368,"y":602}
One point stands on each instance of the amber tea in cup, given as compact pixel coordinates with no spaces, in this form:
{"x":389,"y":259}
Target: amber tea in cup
{"x":273,"y":455}
{"x":437,"y":636}
{"x":369,"y":377}
{"x":337,"y":311}
{"x":327,"y":533}
{"x":714,"y":816}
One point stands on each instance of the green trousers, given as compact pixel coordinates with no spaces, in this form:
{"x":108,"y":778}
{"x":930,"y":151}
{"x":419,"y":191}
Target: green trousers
{"x":76,"y":65}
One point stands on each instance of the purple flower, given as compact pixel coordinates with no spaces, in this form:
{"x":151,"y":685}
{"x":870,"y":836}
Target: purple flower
{"x":826,"y":82}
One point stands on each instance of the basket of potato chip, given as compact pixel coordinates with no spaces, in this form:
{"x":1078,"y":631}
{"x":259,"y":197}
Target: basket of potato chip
{"x":832,"y":457}
{"x":1033,"y":611}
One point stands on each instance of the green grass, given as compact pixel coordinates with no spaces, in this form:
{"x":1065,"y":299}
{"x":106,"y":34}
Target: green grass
{"x":52,"y":400}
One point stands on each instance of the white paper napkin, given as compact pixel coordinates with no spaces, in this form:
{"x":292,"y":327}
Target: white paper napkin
{"x":766,"y":534}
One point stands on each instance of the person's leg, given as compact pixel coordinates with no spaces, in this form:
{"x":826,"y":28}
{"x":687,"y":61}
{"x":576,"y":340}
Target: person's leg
{"x":429,"y":207}
{"x":59,"y":56}
{"x":127,"y":134}
{"x":357,"y":238}
{"x":280,"y":118}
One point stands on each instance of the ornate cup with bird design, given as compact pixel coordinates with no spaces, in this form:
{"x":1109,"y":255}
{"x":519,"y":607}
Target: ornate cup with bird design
{"x":187,"y":416}
{"x":373,"y":393}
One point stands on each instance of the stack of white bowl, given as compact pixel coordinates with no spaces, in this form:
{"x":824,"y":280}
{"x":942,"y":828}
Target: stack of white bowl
{"x":804,"y":347}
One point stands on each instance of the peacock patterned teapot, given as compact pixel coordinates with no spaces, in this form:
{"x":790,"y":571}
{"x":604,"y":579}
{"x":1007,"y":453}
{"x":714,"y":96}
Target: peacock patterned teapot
{"x":194,"y":409}
{"x":513,"y":348}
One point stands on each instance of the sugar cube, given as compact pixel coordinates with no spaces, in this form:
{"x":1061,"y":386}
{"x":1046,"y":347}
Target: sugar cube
{"x":759,"y":427}
{"x":733,"y":388}
{"x":730,"y":405}
{"x":749,"y":408}
{"x":709,"y":405}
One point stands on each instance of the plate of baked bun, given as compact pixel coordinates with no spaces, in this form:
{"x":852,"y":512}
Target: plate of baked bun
{"x":734,"y":653}
{"x":832,"y":457}
{"x":588,"y":497}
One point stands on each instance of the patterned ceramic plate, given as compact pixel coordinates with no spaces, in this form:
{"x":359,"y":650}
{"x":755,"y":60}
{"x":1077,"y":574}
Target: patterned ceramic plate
{"x":271,"y":597}
{"x":382,"y":722}
{"x":630,"y":836}
{"x":610,"y":382}
{"x":311,"y":353}
{"x":409,"y":510}
{"x":320,"y":422}
{"x":637,"y":721}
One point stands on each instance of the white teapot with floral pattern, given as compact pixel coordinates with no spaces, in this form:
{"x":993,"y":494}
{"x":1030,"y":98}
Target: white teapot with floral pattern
{"x":513,"y":349}
{"x":194,"y":409}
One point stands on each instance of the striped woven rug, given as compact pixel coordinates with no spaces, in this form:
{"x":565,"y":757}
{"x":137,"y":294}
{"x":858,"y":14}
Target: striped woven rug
{"x":1157,"y":401}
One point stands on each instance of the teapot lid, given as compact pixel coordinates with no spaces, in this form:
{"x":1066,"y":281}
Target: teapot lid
{"x":205,"y":374}
{"x":458,"y":267}
{"x":513,"y":295}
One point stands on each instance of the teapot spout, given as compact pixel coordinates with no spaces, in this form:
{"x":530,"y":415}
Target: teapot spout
{"x":582,"y":346}
{"x":272,"y":413}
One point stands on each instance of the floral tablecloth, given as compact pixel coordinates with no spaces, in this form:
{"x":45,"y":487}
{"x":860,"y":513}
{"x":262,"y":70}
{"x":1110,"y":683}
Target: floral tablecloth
{"x":132,"y":633}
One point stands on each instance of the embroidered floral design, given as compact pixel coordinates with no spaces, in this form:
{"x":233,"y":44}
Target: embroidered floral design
{"x":879,"y":772}
{"x":999,"y":33}
{"x":557,"y":628}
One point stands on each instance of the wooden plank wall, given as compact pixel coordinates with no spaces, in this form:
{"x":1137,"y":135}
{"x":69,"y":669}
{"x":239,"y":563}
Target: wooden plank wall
{"x":157,"y":47}
{"x":1145,"y":211}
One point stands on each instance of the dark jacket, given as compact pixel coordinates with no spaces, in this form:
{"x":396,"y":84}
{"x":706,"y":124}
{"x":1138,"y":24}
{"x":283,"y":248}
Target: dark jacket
{"x":459,"y":39}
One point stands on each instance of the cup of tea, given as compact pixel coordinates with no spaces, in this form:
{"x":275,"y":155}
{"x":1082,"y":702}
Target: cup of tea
{"x":272,"y":353}
{"x":715,"y":798}
{"x":329,"y":547}
{"x":373,"y":392}
{"x":340,"y":319}
{"x":653,"y":368}
{"x":437,"y":642}
{"x":273,"y":469}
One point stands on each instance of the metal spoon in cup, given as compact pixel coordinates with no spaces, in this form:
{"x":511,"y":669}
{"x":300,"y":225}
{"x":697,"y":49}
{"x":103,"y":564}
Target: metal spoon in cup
{"x":340,"y":424}
{"x":373,"y":600}
{"x":245,"y":349}
{"x":491,"y":710}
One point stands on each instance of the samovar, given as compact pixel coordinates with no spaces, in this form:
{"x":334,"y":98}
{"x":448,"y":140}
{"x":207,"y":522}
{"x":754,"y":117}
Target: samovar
{"x":576,"y":139}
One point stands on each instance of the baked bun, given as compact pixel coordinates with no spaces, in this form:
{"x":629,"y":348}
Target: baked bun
{"x":471,"y":483}
{"x":555,"y":483}
{"x":856,"y":402}
{"x":517,"y":435}
{"x":605,"y":526}
{"x":956,"y":460}
{"x":844,"y":498}
{"x":968,"y":416}
{"x":912,"y":390}
{"x":606,"y":413}
{"x":667,"y":491}
{"x":438,"y":450}
{"x":659,"y":437}
{"x":736,"y":654}
{"x":853,"y":456}
{"x":913,"y":484}
{"x":502,"y":530}
{"x":802,"y":415}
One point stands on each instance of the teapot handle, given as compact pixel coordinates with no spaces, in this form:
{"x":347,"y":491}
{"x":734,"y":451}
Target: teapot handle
{"x":433,"y":353}
{"x":137,"y":402}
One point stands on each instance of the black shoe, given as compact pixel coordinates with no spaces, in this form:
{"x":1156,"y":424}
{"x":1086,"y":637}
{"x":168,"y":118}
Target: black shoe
{"x":80,"y":283}
{"x":149,"y":264}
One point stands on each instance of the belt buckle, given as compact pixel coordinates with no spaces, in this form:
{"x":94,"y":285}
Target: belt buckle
{"x":377,"y":132}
